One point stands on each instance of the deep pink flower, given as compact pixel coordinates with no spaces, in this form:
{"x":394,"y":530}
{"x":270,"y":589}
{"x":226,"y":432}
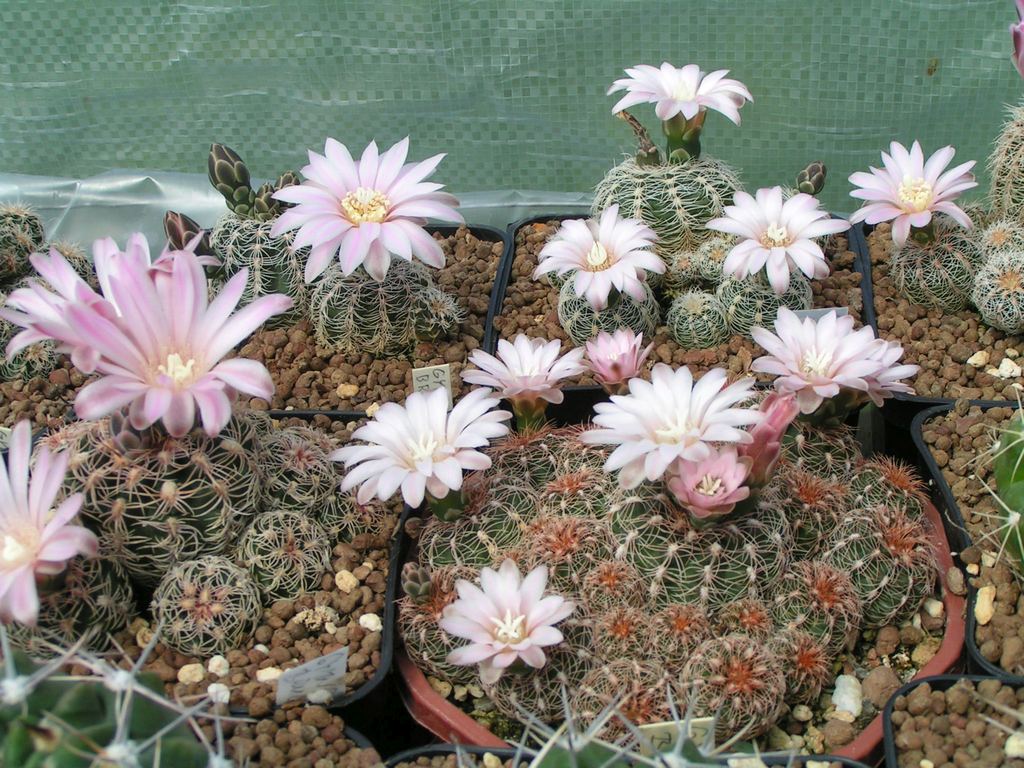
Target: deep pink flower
{"x":366,"y":211}
{"x":35,"y":539}
{"x":779,"y":412}
{"x":154,"y":338}
{"x":617,"y":357}
{"x":712,"y":486}
{"x":506,"y":619}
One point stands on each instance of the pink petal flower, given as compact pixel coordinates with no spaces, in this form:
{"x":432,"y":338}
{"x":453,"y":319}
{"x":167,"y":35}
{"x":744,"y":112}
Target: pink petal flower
{"x":712,"y":486}
{"x":616,"y":358}
{"x":681,"y":91}
{"x":779,"y":412}
{"x":525,"y":370}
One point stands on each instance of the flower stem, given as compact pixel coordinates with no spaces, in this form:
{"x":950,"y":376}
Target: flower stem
{"x":683,"y":137}
{"x":450,"y":508}
{"x":923,"y":235}
{"x":529,"y":415}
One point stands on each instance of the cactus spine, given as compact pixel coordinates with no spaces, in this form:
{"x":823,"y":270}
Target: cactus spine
{"x":582,"y":322}
{"x":21,"y":235}
{"x":285,"y":552}
{"x":941,"y":273}
{"x":697,"y":320}
{"x":998,"y":291}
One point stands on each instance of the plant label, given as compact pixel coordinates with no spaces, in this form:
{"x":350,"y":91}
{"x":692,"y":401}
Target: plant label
{"x":817,"y":314}
{"x":432,"y":377}
{"x":318,"y":680}
{"x":662,"y":737}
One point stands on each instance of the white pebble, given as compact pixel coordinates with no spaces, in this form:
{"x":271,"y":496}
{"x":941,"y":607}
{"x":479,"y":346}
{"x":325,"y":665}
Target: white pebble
{"x":268,"y":674}
{"x":345,"y":581}
{"x":1009,"y":369}
{"x":371,"y":622}
{"x":1014,"y":746}
{"x":219,"y":693}
{"x":924,"y":762}
{"x":988,"y":559}
{"x":319,"y":696}
{"x":984,"y":606}
{"x":978,"y":359}
{"x":934,"y":608}
{"x":191,"y":673}
{"x":973,"y":569}
{"x":261,"y":648}
{"x":848,"y":695}
{"x":802,"y":713}
{"x":218,"y":665}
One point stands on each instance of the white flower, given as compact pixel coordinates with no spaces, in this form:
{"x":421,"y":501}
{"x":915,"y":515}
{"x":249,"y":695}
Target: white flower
{"x":670,"y":418}
{"x":525,"y":369}
{"x":684,"y":91}
{"x":776,"y":236}
{"x":601,"y":255}
{"x":507,"y":618}
{"x":421,"y":447}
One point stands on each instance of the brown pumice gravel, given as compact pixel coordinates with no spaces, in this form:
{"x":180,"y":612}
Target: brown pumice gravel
{"x":940,"y":342}
{"x":486,"y":760}
{"x":531,"y":307}
{"x":953,"y":728}
{"x":307,"y":376}
{"x":43,"y":400}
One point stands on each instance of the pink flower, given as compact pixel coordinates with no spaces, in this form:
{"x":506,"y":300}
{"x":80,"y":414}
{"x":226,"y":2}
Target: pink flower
{"x":684,"y":91}
{"x":153,"y":337}
{"x":526,"y":370}
{"x":615,"y":358}
{"x":602,"y":255}
{"x":506,"y":619}
{"x":886,"y":382}
{"x":776,"y":236}
{"x":366,"y":211}
{"x":909,"y":190}
{"x":779,"y":412}
{"x":421,"y":447}
{"x":670,"y":418}
{"x":712,"y":486}
{"x":1017,"y":33}
{"x":36,"y":540}
{"x":814,"y":360}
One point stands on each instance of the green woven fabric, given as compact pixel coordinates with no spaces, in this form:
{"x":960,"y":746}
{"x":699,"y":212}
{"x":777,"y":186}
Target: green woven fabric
{"x":513,"y":91}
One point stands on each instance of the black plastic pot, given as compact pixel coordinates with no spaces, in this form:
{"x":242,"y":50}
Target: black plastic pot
{"x":357,"y":738}
{"x":937,"y":683}
{"x":956,"y":527}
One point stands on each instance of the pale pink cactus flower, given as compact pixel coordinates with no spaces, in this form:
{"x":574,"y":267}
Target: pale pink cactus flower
{"x":615,"y":358}
{"x":712,"y":486}
{"x":682,"y":91}
{"x":779,"y":412}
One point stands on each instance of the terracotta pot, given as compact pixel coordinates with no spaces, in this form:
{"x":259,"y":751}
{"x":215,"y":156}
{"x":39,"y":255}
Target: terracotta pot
{"x":452,"y":725}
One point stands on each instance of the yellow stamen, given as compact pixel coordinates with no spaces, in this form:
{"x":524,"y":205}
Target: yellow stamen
{"x":365,"y":205}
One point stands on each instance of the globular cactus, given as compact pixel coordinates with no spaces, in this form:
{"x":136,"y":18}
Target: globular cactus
{"x":582,"y":322}
{"x":21,"y":235}
{"x":998,"y":291}
{"x":890,"y":559}
{"x":297,"y":471}
{"x":206,"y":606}
{"x":814,"y":506}
{"x":682,"y":274}
{"x":35,"y":361}
{"x":359,"y":314}
{"x":242,"y":237}
{"x":677,"y":631}
{"x":92,"y":595}
{"x":609,"y":584}
{"x":1007,"y":463}
{"x":697,"y":320}
{"x":1006,"y":168}
{"x":798,"y":295}
{"x":49,"y":720}
{"x":806,"y":664}
{"x":636,"y":688}
{"x":673,"y":199}
{"x":747,"y":616}
{"x":816,"y":598}
{"x":1000,"y":235}
{"x":286,"y":552}
{"x":569,"y":546}
{"x":738,"y":680}
{"x":887,"y":482}
{"x":940,"y":274}
{"x":710,"y":256}
{"x":622,"y":633}
{"x":160,"y":500}
{"x":748,"y":303}
{"x":831,"y":453}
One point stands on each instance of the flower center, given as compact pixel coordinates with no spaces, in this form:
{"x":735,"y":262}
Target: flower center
{"x":423,"y":448}
{"x":915,"y":194}
{"x":365,"y":205}
{"x":510,"y":629}
{"x":682,"y":91}
{"x":17,"y":549}
{"x":597,"y":258}
{"x":1010,"y":281}
{"x":181,"y":372}
{"x":709,"y":486}
{"x":775,"y":236}
{"x":816,"y":362}
{"x":673,"y":433}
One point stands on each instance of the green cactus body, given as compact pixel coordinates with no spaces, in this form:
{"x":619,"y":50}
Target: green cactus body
{"x":1000,"y":236}
{"x":21,"y":235}
{"x":676,"y":200}
{"x":938,"y":275}
{"x":359,"y":314}
{"x":35,"y":361}
{"x":889,"y":483}
{"x":1007,"y":463}
{"x":621,"y":633}
{"x":92,"y":594}
{"x":747,"y":616}
{"x":207,"y":606}
{"x":169,"y":501}
{"x":998,"y":291}
{"x":798,"y":295}
{"x":1006,"y":168}
{"x":636,"y":688}
{"x":828,"y":453}
{"x":711,"y":256}
{"x":748,"y":303}
{"x":818,"y":599}
{"x":297,"y":471}
{"x":682,"y":274}
{"x":814,"y":505}
{"x":739,"y":681}
{"x":286,"y":552}
{"x":582,"y":322}
{"x":696,"y":320}
{"x":806,"y":664}
{"x":609,"y":584}
{"x":890,"y":559}
{"x":678,"y":631}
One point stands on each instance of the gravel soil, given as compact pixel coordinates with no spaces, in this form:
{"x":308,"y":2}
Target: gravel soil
{"x":44,"y":400}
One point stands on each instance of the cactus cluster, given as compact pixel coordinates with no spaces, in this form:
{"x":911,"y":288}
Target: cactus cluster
{"x":21,"y":235}
{"x":998,"y":291}
{"x":938,"y":274}
{"x":1006,"y":168}
{"x":741,"y":616}
{"x":582,"y":322}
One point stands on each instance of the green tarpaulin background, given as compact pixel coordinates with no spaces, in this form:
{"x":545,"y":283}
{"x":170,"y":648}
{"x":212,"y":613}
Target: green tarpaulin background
{"x":512,"y":90}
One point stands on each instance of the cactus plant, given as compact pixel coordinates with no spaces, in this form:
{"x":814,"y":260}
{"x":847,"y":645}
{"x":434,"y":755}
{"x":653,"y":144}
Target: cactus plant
{"x":206,"y":606}
{"x":748,"y":303}
{"x":999,"y":235}
{"x":697,"y":320}
{"x":621,"y":633}
{"x":35,"y":361}
{"x":1006,"y":166}
{"x":888,"y":482}
{"x":999,"y":291}
{"x":746,"y":616}
{"x":827,"y":453}
{"x":806,"y":664}
{"x":818,"y":599}
{"x":21,"y":235}
{"x":811,"y":180}
{"x":938,"y":274}
{"x":286,"y":552}
{"x":1006,"y":460}
{"x":609,"y":584}
{"x":678,"y":630}
{"x":582,"y":322}
{"x":890,"y":559}
{"x":813,"y":504}
{"x":637,"y":689}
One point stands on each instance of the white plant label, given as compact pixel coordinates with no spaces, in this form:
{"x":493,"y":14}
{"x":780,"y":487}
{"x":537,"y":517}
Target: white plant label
{"x":662,"y":737}
{"x":326,"y":674}
{"x":432,"y":377}
{"x":817,"y":314}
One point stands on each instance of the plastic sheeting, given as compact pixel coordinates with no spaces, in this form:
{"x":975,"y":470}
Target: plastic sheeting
{"x":514,"y":92}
